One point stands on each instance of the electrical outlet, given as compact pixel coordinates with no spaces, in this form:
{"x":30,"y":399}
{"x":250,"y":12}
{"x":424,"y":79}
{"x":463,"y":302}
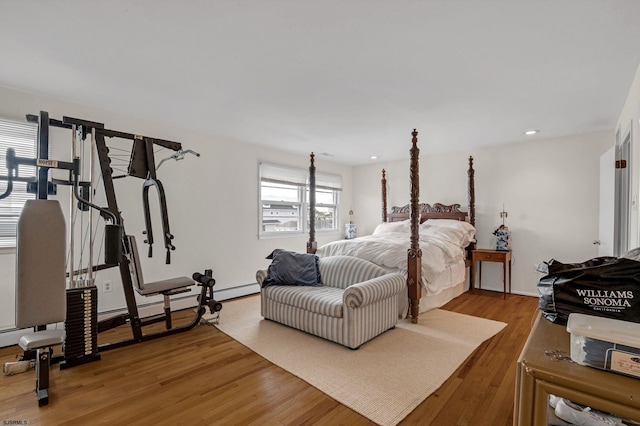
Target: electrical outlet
{"x":107,"y":286}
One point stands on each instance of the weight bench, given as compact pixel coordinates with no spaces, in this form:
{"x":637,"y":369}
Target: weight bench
{"x":41,"y":284}
{"x":166,"y":288}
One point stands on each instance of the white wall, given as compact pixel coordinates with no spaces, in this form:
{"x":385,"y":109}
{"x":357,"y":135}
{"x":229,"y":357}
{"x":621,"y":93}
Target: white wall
{"x":629,"y":117}
{"x":212,"y":202}
{"x":549,"y":188}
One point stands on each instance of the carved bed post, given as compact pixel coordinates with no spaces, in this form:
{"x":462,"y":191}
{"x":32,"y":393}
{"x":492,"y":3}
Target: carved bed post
{"x":312,"y":245}
{"x":472,"y":201}
{"x":472,"y":195}
{"x":384,"y":196}
{"x":414,"y":254}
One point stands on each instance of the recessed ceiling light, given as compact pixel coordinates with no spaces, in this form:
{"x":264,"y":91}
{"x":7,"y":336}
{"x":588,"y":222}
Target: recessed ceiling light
{"x":531,"y":132}
{"x":374,"y":157}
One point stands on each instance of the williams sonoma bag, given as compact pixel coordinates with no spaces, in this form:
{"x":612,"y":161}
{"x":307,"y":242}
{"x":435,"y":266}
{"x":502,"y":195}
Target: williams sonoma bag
{"x":604,"y":286}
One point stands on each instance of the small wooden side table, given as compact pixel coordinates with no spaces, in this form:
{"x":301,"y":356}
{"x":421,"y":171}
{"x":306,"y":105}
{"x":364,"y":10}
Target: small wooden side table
{"x":485,"y":255}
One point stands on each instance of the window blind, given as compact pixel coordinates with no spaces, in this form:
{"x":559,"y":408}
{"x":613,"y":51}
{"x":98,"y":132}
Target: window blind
{"x":22,"y":138}
{"x":300,"y":177}
{"x":281,"y":174}
{"x":328,"y":181}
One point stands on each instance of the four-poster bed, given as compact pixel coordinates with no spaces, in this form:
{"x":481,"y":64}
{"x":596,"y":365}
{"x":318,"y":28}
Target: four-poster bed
{"x":442,"y":272}
{"x":312,"y":245}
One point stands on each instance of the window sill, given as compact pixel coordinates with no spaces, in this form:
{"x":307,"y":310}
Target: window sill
{"x":7,"y":250}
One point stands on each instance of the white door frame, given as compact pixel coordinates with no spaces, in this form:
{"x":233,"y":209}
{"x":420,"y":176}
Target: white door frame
{"x":622,"y":215}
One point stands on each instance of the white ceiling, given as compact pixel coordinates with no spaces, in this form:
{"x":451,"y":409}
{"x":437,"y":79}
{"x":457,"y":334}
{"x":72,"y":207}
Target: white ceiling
{"x":348,"y":78}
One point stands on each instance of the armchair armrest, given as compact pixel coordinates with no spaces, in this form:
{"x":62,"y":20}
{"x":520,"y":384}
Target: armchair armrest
{"x":261,"y":274}
{"x":373,"y":290}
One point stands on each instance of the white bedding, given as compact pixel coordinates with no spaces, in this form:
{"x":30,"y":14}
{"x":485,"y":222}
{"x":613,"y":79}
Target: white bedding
{"x":442,"y":252}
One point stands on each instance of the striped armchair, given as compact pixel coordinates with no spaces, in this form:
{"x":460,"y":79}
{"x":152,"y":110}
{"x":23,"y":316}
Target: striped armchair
{"x":357,"y":301}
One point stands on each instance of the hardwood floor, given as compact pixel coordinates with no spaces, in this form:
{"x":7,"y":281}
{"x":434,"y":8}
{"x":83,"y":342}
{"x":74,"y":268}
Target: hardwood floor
{"x":204,"y":377}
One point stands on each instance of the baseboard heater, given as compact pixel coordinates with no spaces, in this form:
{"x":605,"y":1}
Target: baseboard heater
{"x":188,"y":301}
{"x":11,"y":336}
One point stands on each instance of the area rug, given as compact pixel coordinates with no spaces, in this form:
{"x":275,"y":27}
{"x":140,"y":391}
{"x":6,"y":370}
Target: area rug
{"x":386,"y":378}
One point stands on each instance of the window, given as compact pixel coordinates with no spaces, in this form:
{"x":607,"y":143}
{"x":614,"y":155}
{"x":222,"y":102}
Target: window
{"x":284,"y":201}
{"x":22,"y":138}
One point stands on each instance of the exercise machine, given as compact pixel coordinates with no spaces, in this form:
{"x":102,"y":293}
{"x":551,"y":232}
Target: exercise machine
{"x":120,"y":249}
{"x":40,"y":295}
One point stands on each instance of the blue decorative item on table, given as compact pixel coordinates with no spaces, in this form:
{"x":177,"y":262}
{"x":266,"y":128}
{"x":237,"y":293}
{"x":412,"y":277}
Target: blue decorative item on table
{"x":502,"y":234}
{"x":350,"y":228}
{"x":502,"y":238}
{"x":349,"y":231}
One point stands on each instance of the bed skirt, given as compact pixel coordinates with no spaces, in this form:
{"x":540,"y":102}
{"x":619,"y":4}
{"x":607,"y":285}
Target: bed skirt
{"x":430,"y":302}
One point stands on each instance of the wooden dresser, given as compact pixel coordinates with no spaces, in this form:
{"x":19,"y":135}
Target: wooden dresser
{"x":539,"y":373}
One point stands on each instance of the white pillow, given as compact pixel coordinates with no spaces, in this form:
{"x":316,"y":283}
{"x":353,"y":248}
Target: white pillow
{"x":458,"y":232}
{"x":450,"y":223}
{"x":389,"y":227}
{"x":456,"y":236}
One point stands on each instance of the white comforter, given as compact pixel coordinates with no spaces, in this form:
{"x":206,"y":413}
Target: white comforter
{"x":440,"y":249}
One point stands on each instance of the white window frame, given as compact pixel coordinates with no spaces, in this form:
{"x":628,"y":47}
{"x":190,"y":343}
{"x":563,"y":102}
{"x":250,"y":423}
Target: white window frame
{"x":22,"y":137}
{"x":299,"y":178}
